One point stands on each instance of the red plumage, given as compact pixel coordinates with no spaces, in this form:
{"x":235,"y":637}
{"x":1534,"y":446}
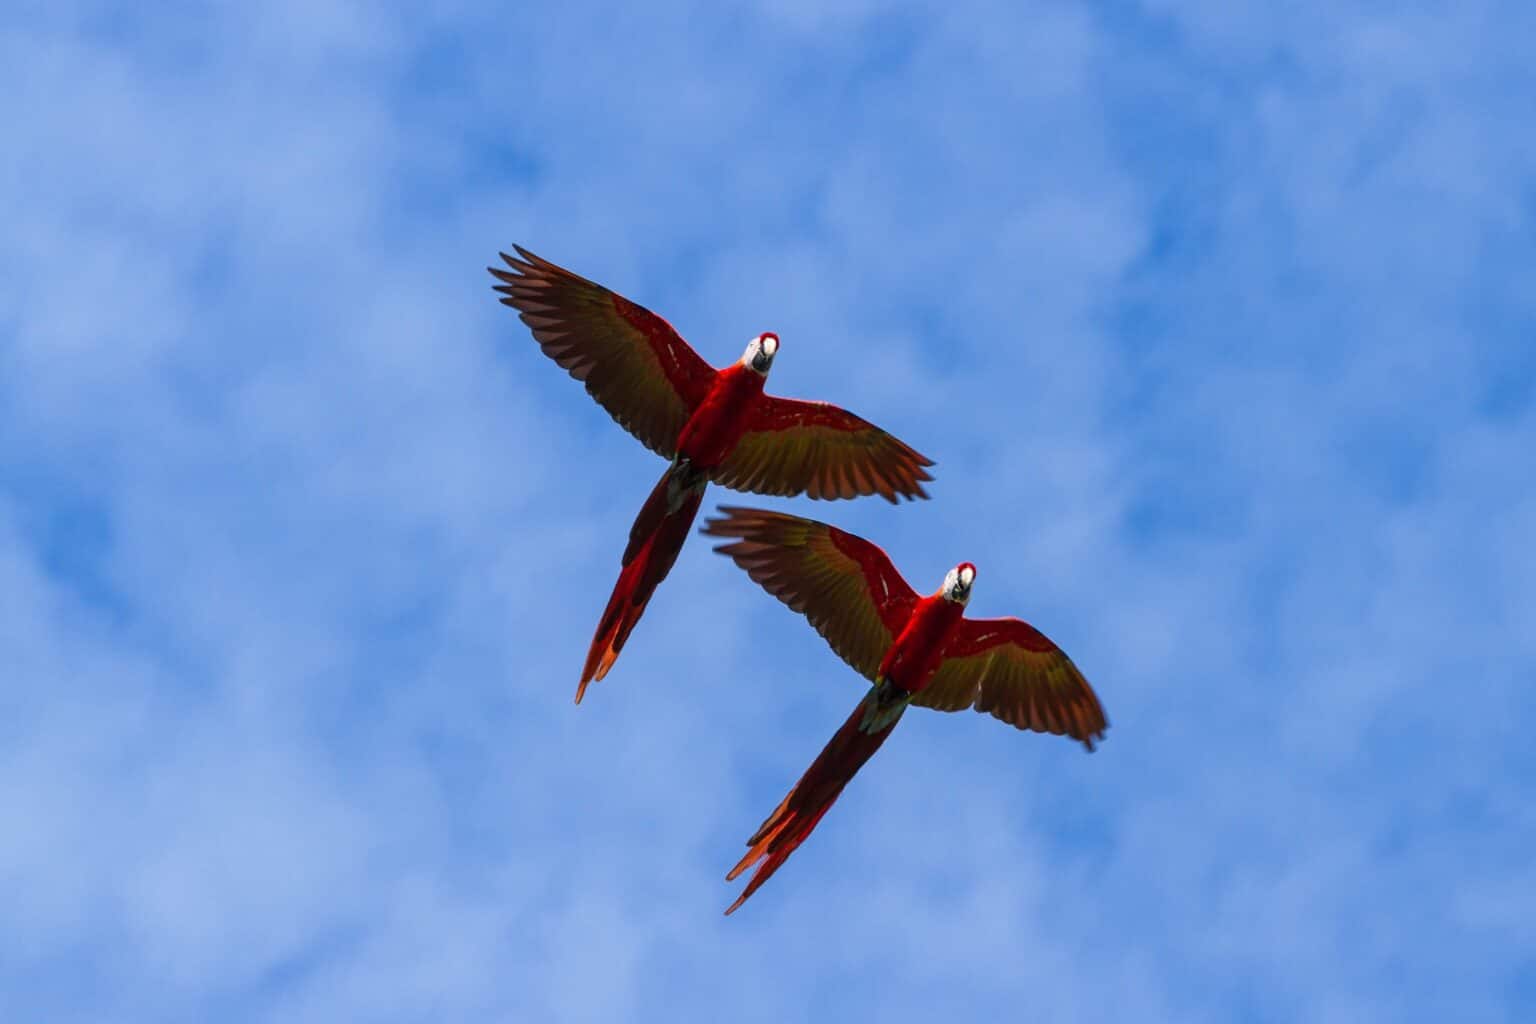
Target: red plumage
{"x":715,"y":425}
{"x":654,"y":543}
{"x":815,"y":793}
{"x":917,"y":650}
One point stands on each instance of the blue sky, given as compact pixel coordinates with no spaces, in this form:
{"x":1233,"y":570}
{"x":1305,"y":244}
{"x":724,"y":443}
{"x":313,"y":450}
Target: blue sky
{"x":1217,"y":319}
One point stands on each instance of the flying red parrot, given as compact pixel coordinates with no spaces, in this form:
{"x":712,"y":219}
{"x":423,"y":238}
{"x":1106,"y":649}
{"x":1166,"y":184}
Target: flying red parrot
{"x":916,"y":650}
{"x":712,"y":424}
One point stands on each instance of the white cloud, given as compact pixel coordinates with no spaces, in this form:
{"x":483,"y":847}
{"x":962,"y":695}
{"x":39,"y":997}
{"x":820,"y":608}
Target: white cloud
{"x":301,"y":540}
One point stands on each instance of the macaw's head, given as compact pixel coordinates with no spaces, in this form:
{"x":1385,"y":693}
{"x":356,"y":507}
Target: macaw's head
{"x":957,"y":583}
{"x":760,"y":352}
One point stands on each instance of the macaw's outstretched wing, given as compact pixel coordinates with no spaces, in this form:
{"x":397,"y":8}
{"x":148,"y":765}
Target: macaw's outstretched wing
{"x":1009,"y":668}
{"x":844,"y":585}
{"x":795,"y":447}
{"x":630,"y":359}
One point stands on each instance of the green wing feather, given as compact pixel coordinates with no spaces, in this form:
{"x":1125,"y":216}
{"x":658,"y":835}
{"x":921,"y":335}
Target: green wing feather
{"x":1009,"y":669}
{"x":845,"y":586}
{"x":631,"y":360}
{"x":817,"y":449}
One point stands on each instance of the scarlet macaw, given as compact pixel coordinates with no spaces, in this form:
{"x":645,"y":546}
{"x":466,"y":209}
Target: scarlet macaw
{"x":712,"y":424}
{"x":916,"y":650}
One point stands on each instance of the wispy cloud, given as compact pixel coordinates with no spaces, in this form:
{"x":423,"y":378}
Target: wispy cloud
{"x":1216,"y":321}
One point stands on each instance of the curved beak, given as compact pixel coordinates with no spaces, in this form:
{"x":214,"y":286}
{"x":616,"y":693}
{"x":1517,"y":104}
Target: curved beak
{"x":766,"y":349}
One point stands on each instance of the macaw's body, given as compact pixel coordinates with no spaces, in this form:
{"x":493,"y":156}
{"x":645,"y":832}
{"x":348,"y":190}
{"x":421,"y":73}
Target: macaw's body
{"x":713,"y":425}
{"x":914,"y":649}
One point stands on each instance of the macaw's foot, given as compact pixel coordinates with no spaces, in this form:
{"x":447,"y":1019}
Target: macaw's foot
{"x":884,"y":705}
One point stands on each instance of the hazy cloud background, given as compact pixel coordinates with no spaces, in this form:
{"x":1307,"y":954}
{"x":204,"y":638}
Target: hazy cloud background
{"x":1218,"y":322}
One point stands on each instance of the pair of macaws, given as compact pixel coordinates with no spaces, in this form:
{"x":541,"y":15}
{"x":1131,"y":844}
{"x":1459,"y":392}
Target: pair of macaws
{"x":719,"y":425}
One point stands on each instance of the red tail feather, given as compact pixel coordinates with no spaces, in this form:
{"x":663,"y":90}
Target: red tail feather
{"x":815,"y":793}
{"x":654,"y":543}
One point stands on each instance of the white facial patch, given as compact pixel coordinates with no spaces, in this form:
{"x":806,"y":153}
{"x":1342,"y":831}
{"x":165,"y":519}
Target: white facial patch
{"x":957,"y":585}
{"x":760,"y":352}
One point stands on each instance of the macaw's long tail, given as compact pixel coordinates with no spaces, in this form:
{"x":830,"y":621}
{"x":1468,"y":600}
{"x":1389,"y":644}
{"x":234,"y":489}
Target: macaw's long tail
{"x":654,"y":543}
{"x":820,"y":786}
